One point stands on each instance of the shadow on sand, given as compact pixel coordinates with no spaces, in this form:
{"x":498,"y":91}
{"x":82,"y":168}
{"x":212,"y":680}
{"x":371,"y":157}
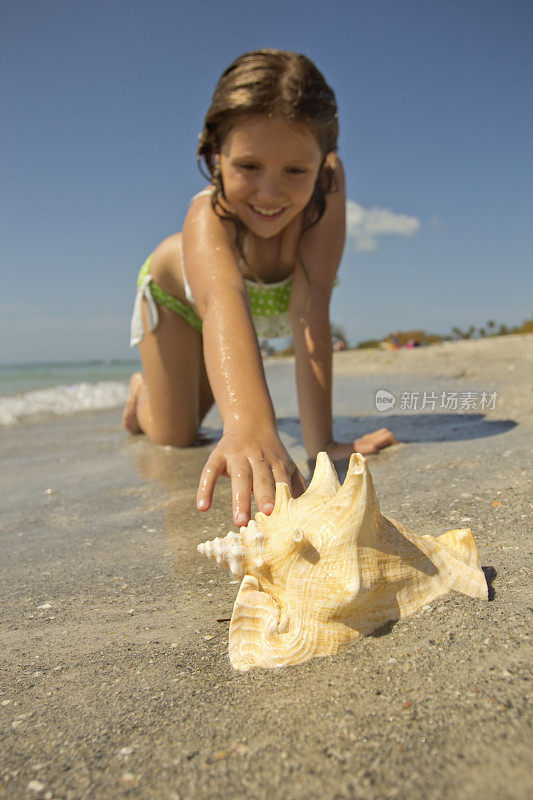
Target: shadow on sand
{"x":408,"y":428}
{"x":439,"y":427}
{"x":490,"y":576}
{"x":415,"y":427}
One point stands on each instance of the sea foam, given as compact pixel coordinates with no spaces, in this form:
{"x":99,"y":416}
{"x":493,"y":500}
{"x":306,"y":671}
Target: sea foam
{"x":60,"y":400}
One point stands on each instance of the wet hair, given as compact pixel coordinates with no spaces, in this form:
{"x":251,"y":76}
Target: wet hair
{"x":270,"y":83}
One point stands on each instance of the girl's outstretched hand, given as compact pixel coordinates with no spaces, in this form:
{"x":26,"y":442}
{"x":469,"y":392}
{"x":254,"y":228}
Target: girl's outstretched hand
{"x":366,"y":445}
{"x":254,"y":464}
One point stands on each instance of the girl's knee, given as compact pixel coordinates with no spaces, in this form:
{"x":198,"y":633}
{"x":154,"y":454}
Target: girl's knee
{"x":169,"y":438}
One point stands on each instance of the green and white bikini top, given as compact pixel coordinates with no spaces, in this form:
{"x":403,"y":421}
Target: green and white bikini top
{"x":269,"y":302}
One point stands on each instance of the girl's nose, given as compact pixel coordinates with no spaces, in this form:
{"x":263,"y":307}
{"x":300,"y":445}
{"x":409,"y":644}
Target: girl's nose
{"x":269,"y":189}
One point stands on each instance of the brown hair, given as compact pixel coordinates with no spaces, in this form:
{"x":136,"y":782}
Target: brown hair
{"x":271,"y":82}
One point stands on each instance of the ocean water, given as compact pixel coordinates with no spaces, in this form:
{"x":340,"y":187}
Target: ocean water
{"x":31,"y":391}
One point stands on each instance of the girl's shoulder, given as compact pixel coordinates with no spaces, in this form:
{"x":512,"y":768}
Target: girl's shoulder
{"x":205,"y":192}
{"x":203,"y":218}
{"x":208,"y":250}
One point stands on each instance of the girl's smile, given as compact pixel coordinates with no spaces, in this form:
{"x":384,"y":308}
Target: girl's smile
{"x":269,"y":167}
{"x":267,"y":213}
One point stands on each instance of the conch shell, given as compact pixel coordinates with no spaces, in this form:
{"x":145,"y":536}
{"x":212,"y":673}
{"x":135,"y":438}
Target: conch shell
{"x":328,"y":567}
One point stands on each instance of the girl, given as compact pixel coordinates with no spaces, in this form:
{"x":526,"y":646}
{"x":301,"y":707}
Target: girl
{"x":258,"y":254}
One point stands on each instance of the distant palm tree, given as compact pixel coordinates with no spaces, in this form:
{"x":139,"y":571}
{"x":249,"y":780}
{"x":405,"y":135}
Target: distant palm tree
{"x":463,"y":334}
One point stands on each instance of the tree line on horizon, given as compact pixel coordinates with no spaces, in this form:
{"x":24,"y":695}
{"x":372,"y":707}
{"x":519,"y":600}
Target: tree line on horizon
{"x":421,"y":337}
{"x":418,"y":337}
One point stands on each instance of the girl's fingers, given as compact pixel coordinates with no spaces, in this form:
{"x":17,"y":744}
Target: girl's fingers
{"x":263,"y":485}
{"x":210,"y":474}
{"x":241,"y":490}
{"x":246,"y":474}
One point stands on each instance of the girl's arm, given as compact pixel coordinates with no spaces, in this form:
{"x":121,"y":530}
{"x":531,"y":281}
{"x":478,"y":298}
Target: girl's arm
{"x":250,"y":451}
{"x":321,"y":252}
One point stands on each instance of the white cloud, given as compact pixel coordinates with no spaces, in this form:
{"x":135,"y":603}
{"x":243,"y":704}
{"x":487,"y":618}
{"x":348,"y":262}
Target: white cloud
{"x":364,"y":226}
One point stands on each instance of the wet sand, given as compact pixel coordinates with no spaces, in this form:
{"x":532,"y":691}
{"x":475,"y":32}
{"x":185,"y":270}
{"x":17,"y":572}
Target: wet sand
{"x":115,"y":680}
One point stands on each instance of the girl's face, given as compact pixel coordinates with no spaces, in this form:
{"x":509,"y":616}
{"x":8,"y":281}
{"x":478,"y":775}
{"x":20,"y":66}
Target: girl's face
{"x":269,"y":167}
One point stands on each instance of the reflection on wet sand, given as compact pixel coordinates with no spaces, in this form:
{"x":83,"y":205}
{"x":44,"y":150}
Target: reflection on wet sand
{"x":178,"y":471}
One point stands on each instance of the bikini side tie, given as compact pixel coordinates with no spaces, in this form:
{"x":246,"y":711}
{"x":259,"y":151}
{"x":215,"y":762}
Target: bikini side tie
{"x":137,"y":331}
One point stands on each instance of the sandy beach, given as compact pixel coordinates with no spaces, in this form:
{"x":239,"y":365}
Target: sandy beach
{"x":115,"y":680}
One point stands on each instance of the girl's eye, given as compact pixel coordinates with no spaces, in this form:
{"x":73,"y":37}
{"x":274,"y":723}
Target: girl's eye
{"x":296,"y":171}
{"x":247,"y":166}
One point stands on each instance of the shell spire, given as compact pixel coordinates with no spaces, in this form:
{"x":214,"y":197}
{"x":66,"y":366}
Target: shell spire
{"x":324,"y":478}
{"x":227,"y":552}
{"x":328,"y":567}
{"x":240,"y":552}
{"x":357,"y":501}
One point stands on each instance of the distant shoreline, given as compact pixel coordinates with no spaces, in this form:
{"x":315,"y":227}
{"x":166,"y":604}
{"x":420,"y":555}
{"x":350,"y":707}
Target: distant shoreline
{"x":48,"y":390}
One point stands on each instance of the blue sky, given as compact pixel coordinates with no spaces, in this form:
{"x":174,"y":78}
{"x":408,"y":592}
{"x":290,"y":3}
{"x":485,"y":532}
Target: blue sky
{"x":102,"y":105}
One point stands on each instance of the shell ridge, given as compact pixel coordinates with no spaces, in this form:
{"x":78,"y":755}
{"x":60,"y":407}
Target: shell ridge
{"x":296,"y":645}
{"x":282,"y":497}
{"x":456,"y":570}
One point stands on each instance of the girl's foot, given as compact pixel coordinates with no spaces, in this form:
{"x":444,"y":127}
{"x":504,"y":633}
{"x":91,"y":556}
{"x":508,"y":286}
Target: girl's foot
{"x":374,"y":442}
{"x":366,"y":445}
{"x":129,"y":415}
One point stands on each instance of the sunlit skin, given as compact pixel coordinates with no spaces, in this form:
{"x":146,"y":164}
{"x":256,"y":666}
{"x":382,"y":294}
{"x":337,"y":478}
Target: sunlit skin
{"x":269,"y":167}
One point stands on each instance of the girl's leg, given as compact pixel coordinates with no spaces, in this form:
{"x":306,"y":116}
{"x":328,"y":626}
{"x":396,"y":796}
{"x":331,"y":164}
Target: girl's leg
{"x":168,"y":401}
{"x":129,"y":415}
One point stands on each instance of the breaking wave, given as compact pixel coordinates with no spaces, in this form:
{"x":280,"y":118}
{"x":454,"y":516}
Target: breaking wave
{"x":61,"y":400}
